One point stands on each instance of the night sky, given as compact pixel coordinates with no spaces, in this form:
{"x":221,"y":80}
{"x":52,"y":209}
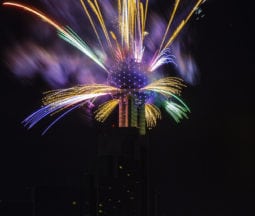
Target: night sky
{"x":203,"y":166}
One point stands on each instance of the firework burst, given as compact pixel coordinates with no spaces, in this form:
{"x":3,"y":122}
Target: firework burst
{"x":123,"y":50}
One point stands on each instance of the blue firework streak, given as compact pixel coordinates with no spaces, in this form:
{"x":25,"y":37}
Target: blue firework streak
{"x":125,"y":51}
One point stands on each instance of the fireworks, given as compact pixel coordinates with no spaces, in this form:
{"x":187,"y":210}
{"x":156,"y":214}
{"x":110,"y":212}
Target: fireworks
{"x":122,"y":49}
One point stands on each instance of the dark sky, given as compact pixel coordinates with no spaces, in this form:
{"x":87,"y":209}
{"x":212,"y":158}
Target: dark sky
{"x":205,"y":165}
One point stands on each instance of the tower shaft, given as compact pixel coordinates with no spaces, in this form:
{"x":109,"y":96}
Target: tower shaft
{"x":131,"y":115}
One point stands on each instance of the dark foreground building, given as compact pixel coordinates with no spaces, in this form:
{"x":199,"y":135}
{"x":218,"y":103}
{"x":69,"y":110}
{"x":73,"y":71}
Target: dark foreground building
{"x":117,"y":185}
{"x":121,"y":174}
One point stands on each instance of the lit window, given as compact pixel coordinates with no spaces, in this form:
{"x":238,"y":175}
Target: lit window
{"x":100,"y":205}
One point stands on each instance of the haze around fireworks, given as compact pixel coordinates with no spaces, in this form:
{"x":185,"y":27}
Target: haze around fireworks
{"x":121,"y":54}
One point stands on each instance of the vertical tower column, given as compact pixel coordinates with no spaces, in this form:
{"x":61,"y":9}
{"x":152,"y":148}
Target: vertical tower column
{"x":133,"y":113}
{"x":123,"y":112}
{"x":142,"y":122}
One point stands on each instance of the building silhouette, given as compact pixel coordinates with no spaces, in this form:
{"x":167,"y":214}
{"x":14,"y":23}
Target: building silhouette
{"x":121,"y":178}
{"x":117,"y":185}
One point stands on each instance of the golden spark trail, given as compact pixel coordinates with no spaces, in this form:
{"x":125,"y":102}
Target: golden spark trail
{"x":142,"y":19}
{"x":63,"y":94}
{"x":96,"y":9}
{"x":118,"y":53}
{"x":102,"y":20}
{"x":145,"y":16}
{"x":177,"y":2}
{"x":152,"y":113}
{"x":92,"y":23}
{"x":105,"y":109}
{"x":37,"y":13}
{"x":182,"y":24}
{"x":168,"y":84}
{"x":119,"y":16}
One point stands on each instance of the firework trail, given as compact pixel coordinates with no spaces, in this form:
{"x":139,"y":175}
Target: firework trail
{"x":124,"y":49}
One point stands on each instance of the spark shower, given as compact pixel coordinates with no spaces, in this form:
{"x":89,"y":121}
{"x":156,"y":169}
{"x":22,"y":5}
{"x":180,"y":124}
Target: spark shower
{"x":129,"y":48}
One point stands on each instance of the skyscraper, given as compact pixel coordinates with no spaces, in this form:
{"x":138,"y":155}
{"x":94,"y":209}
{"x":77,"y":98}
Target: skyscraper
{"x":121,"y":181}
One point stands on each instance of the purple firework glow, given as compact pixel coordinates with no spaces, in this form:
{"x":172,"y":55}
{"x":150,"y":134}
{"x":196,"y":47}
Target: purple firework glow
{"x":125,"y":49}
